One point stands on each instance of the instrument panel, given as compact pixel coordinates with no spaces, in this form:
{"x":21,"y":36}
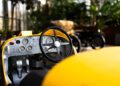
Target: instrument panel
{"x":27,"y":46}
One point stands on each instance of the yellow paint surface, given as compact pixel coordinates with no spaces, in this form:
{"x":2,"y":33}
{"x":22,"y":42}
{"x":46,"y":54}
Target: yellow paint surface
{"x":93,"y":68}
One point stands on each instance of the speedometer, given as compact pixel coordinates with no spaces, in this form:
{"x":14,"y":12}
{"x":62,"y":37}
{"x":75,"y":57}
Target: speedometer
{"x":49,"y":40}
{"x":25,"y":41}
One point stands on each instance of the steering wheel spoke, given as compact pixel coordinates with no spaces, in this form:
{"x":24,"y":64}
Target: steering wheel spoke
{"x":54,"y":32}
{"x":64,"y":43}
{"x":49,"y":44}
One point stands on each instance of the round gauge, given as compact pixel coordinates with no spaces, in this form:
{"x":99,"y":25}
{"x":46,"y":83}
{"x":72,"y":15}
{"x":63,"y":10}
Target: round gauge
{"x":22,"y":48}
{"x":29,"y":48}
{"x":25,"y":41}
{"x":49,"y":40}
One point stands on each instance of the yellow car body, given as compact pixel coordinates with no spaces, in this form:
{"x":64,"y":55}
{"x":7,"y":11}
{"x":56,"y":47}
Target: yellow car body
{"x":92,"y":68}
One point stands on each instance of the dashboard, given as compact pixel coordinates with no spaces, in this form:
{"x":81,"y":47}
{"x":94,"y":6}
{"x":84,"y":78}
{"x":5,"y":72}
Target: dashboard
{"x":24,"y":54}
{"x":28,"y":45}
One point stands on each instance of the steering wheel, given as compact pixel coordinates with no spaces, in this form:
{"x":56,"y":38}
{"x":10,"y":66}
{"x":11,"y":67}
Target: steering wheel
{"x":76,"y":42}
{"x":55,"y":44}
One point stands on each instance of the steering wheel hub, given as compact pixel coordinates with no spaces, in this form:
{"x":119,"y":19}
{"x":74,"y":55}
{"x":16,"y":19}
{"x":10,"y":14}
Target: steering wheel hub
{"x":57,"y":44}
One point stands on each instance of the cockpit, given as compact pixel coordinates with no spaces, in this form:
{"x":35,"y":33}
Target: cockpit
{"x":25,"y":54}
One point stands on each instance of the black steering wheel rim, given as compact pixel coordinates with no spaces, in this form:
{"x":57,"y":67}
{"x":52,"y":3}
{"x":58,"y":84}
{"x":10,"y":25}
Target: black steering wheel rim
{"x":75,"y":39}
{"x":41,"y":46}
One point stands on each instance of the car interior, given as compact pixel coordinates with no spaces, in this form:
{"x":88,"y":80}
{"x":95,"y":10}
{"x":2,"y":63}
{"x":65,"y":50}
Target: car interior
{"x":26,"y":59}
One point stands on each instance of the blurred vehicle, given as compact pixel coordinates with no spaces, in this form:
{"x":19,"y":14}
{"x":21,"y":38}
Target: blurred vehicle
{"x":82,"y":36}
{"x":90,"y":36}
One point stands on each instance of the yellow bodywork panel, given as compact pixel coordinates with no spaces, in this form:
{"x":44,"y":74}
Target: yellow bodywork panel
{"x":3,"y":65}
{"x":93,"y":68}
{"x":58,"y":33}
{"x":25,"y":33}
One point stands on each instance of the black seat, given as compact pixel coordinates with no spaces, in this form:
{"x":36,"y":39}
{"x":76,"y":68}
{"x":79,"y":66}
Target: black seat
{"x":34,"y":78}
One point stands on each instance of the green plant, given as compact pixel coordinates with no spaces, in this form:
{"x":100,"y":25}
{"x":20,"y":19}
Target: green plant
{"x":69,"y":10}
{"x":110,"y":13}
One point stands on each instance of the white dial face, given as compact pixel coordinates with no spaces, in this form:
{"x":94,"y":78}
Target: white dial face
{"x":25,"y":41}
{"x":49,"y":40}
{"x":47,"y":43}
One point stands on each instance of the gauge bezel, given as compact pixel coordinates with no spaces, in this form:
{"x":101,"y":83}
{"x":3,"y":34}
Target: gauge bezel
{"x":25,"y":41}
{"x":29,"y":48}
{"x":20,"y":49}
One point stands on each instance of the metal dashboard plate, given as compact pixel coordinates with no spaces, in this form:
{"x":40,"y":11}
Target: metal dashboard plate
{"x":26,"y":46}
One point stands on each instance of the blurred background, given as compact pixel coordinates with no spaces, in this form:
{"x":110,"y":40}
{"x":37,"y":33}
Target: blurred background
{"x":35,"y":15}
